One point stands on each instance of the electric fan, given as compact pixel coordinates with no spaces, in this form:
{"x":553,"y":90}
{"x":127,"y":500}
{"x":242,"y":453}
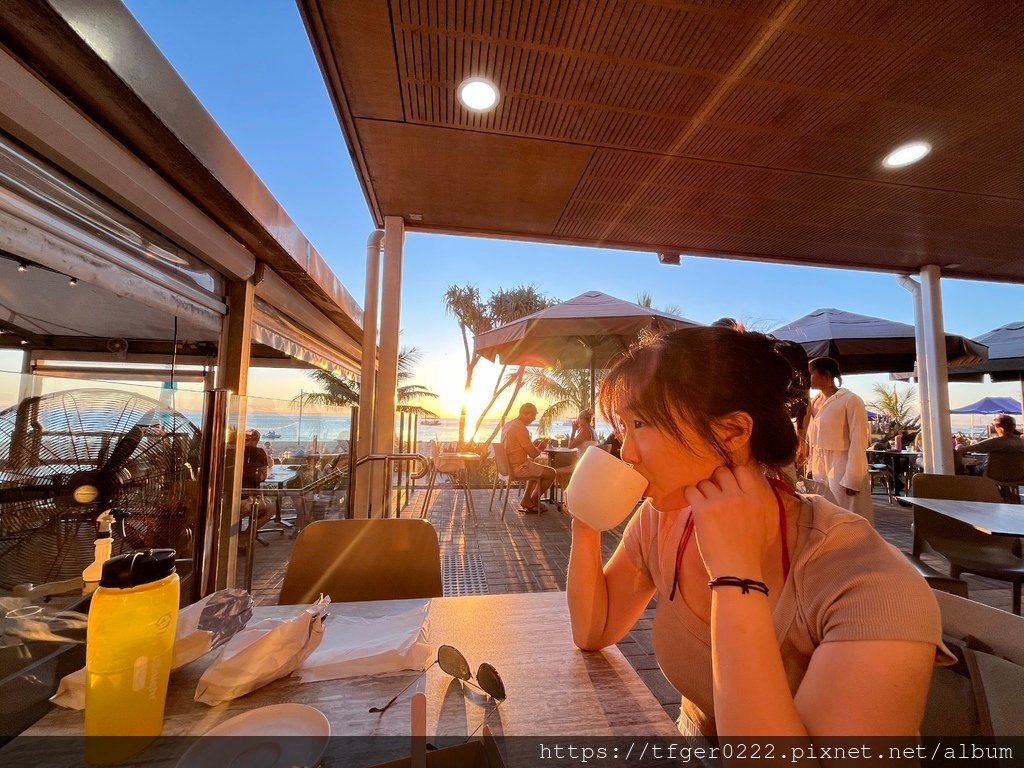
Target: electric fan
{"x":67,"y":456}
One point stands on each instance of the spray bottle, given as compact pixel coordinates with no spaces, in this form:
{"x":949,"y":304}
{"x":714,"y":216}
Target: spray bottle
{"x":104,"y":549}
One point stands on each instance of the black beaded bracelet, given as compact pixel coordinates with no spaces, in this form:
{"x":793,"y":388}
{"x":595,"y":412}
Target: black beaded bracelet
{"x":735,"y":581}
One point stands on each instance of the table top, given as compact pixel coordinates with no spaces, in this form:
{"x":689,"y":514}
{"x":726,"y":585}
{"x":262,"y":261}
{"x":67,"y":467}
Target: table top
{"x":553,"y":687}
{"x":280,"y":473}
{"x":464,"y":455}
{"x":989,"y":517}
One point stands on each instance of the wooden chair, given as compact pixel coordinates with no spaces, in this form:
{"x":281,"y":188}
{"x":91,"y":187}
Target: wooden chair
{"x":454,"y":468}
{"x":881,"y":473}
{"x":1007,"y":469}
{"x":376,"y":559}
{"x":502,"y":476}
{"x":966,"y":549}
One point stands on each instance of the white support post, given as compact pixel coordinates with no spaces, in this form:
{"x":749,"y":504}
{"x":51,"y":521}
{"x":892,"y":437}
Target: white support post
{"x":934,"y":371}
{"x":368,"y":375}
{"x":385,"y":399}
{"x":922,"y":383}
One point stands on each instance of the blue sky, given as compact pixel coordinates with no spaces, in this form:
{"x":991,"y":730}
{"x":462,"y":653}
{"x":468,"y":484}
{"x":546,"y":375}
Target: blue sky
{"x":251,"y":65}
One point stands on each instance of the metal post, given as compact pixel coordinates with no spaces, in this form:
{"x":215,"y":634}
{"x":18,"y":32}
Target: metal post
{"x":924,"y":400}
{"x":935,"y":371}
{"x":353,"y":438}
{"x":205,"y":555}
{"x":387,"y":371}
{"x":359,"y":501}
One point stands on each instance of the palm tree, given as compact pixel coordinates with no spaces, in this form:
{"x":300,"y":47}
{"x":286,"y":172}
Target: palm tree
{"x":474,"y":316}
{"x":644,"y":299}
{"x":898,"y":409}
{"x":567,"y":391}
{"x":338,"y":391}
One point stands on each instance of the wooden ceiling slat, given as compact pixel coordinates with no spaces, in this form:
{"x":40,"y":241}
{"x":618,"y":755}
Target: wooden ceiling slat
{"x":742,"y":124}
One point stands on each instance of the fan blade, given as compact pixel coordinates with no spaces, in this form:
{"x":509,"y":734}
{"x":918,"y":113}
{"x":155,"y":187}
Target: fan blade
{"x":21,"y":493}
{"x":126,"y":445}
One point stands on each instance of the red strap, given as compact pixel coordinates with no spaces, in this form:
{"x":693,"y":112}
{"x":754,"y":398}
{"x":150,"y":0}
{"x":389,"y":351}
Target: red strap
{"x":776,"y":485}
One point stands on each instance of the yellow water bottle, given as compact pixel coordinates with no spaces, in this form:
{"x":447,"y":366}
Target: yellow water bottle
{"x":128,"y":650}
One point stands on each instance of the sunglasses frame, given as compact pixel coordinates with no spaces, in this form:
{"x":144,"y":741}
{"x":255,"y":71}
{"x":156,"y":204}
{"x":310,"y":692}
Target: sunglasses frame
{"x":455,"y":665}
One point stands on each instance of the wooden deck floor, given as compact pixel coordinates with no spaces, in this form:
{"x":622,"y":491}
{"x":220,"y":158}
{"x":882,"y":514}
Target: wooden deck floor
{"x":529,"y":553}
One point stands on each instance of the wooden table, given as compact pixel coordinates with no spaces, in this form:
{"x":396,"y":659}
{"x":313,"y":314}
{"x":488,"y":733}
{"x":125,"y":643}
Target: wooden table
{"x":554,"y":689}
{"x":988,"y":517}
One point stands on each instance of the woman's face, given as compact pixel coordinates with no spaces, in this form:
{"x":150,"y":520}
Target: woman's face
{"x":819,"y":379}
{"x":669,"y":467}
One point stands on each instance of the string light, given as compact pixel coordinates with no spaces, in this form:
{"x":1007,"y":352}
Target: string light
{"x":22,"y":266}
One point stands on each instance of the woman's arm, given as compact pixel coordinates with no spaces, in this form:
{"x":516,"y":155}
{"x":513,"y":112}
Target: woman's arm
{"x":857,"y":455}
{"x":604,"y":603}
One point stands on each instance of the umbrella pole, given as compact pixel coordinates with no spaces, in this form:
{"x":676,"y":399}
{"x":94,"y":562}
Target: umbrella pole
{"x":593,"y":383}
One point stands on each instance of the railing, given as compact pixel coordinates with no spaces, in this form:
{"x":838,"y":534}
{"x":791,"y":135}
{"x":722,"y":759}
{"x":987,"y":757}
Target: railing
{"x":389,"y":460}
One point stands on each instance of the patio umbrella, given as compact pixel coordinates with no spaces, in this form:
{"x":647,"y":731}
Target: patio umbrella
{"x":585,"y":332}
{"x":864,"y":344}
{"x":990,"y":405}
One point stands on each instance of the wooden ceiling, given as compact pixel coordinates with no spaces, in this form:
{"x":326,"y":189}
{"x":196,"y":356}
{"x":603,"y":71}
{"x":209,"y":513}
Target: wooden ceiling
{"x":754,"y":130}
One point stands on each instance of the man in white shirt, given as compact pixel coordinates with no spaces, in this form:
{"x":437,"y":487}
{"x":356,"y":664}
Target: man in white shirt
{"x":521,"y":450}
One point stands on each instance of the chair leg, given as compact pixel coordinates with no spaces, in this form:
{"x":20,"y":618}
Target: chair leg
{"x":431,"y":477}
{"x":494,"y":488}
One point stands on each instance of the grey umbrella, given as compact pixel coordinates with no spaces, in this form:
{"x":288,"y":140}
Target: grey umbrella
{"x":584,"y":332}
{"x":864,"y":344}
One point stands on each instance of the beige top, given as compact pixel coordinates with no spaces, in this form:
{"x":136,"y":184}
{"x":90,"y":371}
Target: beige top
{"x":845,"y":583}
{"x":515,"y":438}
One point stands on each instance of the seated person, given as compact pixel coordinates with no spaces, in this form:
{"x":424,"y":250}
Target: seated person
{"x":521,"y":450}
{"x":582,"y":431}
{"x":1007,"y":439}
{"x":255,"y":466}
{"x":614,"y":443}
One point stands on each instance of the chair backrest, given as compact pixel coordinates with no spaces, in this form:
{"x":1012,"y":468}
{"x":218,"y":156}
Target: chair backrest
{"x":1006,"y":467}
{"x":501,"y":460}
{"x":942,"y":534}
{"x":350,"y":560}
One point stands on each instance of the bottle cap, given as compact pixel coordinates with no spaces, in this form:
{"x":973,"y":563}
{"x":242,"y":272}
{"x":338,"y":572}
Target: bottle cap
{"x":142,"y":566}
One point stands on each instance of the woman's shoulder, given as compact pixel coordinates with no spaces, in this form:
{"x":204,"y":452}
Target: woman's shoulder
{"x":852,"y":584}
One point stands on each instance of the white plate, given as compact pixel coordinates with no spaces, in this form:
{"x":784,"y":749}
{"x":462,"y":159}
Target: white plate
{"x":306,"y":728}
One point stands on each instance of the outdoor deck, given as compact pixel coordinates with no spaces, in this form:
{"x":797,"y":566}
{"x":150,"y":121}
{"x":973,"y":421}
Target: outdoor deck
{"x":529,"y":553}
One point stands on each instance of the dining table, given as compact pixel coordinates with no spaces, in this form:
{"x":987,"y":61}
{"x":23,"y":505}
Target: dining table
{"x":993,"y":518}
{"x":553,"y":688}
{"x":899,"y":463}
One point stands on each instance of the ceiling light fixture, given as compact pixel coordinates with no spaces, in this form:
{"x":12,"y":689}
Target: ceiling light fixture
{"x":22,"y":266}
{"x":24,"y":342}
{"x":669,"y":258}
{"x":73,"y":282}
{"x":478,"y":94}
{"x":907,"y":154}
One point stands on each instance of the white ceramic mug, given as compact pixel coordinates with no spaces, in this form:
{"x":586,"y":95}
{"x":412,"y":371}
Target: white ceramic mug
{"x":603,"y":490}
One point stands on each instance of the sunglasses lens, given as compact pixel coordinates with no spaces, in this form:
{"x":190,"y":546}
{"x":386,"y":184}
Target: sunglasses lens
{"x":487,"y":677}
{"x":453,"y":662}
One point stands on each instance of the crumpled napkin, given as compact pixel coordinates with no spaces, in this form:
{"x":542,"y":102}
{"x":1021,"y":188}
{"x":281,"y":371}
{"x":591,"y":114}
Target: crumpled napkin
{"x":262,"y":653}
{"x":354,"y":646}
{"x":201,"y":626}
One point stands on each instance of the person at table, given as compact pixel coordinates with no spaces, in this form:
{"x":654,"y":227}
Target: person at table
{"x":777,"y":613}
{"x":582,"y":429}
{"x":1007,"y":440}
{"x":521,"y":451}
{"x":255,"y":467}
{"x":837,"y":437}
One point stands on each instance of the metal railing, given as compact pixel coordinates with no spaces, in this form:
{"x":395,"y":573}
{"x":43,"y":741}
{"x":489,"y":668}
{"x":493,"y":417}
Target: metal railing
{"x":389,"y":460}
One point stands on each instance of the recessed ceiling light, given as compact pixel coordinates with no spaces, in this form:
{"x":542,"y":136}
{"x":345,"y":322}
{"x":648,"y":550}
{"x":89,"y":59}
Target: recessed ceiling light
{"x":478,"y":94}
{"x":907,"y":154}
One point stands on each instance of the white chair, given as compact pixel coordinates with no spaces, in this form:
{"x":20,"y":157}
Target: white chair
{"x":502,"y":475}
{"x":453,"y":467}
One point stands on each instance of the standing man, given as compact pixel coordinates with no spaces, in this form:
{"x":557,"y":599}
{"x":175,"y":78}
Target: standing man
{"x":515,"y":439}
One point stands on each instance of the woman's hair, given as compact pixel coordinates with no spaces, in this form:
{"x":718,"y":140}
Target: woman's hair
{"x":828,"y":366}
{"x":586,"y":414}
{"x":701,"y":375}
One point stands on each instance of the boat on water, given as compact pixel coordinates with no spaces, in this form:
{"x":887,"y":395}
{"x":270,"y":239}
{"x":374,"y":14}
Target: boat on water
{"x":430,"y":422}
{"x":272,"y":435}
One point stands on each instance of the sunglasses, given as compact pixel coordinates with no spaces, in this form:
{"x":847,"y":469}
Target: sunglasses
{"x":452,"y":662}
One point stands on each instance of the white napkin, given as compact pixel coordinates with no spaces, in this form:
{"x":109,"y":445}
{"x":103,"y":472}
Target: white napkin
{"x":261,"y":654}
{"x":354,"y":646}
{"x":223,"y":612}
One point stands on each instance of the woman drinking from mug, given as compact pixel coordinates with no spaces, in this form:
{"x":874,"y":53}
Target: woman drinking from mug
{"x":777,"y":614}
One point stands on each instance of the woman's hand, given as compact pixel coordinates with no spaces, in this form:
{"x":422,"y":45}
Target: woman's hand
{"x":733,"y":512}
